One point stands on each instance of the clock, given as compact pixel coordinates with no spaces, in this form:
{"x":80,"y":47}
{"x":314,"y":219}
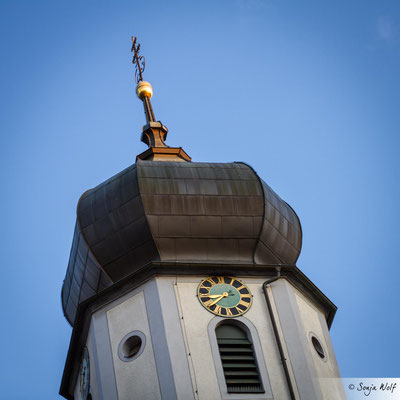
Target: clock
{"x":224,"y":296}
{"x":85,"y":374}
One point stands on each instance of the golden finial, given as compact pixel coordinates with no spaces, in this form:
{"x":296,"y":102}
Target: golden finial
{"x":144,"y":89}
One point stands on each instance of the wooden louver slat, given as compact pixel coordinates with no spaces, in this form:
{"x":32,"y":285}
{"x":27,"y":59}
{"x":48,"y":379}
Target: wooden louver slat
{"x":239,"y":365}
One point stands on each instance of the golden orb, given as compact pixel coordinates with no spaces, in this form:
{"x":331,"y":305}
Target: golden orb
{"x":144,"y":89}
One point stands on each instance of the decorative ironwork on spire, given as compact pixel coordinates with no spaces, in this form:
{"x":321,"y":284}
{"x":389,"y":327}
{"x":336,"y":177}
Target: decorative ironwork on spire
{"x":143,"y":89}
{"x":139,"y":61}
{"x":154,"y":132}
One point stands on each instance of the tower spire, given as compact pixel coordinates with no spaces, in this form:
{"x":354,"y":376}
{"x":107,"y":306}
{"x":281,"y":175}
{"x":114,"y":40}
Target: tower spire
{"x":154,"y":132}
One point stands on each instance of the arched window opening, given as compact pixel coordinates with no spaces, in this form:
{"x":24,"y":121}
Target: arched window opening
{"x":238,"y":360}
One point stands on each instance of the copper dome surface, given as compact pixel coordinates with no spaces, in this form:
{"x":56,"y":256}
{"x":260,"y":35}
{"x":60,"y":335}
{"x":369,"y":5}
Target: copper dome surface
{"x":176,"y":212}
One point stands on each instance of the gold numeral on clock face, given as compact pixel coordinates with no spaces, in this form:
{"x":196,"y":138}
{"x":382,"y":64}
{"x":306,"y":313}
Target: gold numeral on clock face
{"x":217,"y":309}
{"x":208,"y":302}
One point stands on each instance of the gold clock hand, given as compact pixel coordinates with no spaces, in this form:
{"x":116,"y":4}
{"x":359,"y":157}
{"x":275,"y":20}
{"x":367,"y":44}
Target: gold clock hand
{"x":217,"y":300}
{"x":212,"y":296}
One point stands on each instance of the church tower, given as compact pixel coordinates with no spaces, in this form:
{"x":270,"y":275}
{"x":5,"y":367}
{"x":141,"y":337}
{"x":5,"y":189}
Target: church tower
{"x":182,"y":284}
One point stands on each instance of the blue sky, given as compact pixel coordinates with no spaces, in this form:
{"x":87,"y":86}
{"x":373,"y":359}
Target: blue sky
{"x":305,"y":92}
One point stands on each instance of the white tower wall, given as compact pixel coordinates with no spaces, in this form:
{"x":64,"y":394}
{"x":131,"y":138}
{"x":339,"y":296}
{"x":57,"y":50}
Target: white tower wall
{"x":180,"y":358}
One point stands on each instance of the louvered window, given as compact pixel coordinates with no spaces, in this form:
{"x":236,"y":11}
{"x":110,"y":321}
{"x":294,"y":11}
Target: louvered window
{"x":238,"y":360}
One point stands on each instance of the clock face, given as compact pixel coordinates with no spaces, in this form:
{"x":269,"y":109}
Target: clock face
{"x":224,"y":296}
{"x":85,"y":373}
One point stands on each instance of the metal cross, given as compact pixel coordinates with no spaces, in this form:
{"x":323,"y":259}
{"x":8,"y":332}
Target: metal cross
{"x":138,"y":60}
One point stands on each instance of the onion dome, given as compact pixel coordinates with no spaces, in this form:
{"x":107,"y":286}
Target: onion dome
{"x":181,"y":212}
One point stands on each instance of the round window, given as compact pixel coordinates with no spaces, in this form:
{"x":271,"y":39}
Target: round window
{"x":131,"y":346}
{"x":318,"y":347}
